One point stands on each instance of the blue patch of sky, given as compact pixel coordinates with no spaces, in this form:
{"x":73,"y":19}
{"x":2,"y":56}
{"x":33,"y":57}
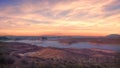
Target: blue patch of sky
{"x":115,"y":5}
{"x":9,"y":2}
{"x":112,"y":8}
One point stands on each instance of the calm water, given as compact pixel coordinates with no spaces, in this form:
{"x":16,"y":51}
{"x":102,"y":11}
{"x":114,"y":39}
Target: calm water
{"x":74,"y":45}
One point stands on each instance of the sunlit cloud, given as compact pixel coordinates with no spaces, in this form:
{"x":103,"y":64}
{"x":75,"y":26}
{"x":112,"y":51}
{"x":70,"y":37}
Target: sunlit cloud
{"x":59,"y":17}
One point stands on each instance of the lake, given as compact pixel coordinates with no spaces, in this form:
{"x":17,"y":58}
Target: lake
{"x":57,"y":44}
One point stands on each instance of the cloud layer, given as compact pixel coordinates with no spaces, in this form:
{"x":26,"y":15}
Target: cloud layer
{"x":59,"y":17}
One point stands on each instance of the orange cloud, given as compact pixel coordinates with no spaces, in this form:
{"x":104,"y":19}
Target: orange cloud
{"x":65,"y":17}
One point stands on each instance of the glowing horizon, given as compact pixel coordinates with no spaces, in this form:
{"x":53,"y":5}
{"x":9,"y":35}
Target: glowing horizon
{"x":59,"y":17}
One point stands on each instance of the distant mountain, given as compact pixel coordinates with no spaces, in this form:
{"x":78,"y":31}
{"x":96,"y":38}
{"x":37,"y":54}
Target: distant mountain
{"x":4,"y":38}
{"x":113,"y":36}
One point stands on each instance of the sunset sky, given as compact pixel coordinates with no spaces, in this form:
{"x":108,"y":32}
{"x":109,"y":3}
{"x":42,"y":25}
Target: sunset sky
{"x":59,"y":17}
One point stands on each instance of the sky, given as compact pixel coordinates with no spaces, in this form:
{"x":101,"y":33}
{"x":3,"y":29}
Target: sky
{"x":59,"y":17}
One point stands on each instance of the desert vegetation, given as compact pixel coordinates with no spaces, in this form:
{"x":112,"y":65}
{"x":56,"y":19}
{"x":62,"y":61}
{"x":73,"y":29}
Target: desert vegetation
{"x":19,"y":55}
